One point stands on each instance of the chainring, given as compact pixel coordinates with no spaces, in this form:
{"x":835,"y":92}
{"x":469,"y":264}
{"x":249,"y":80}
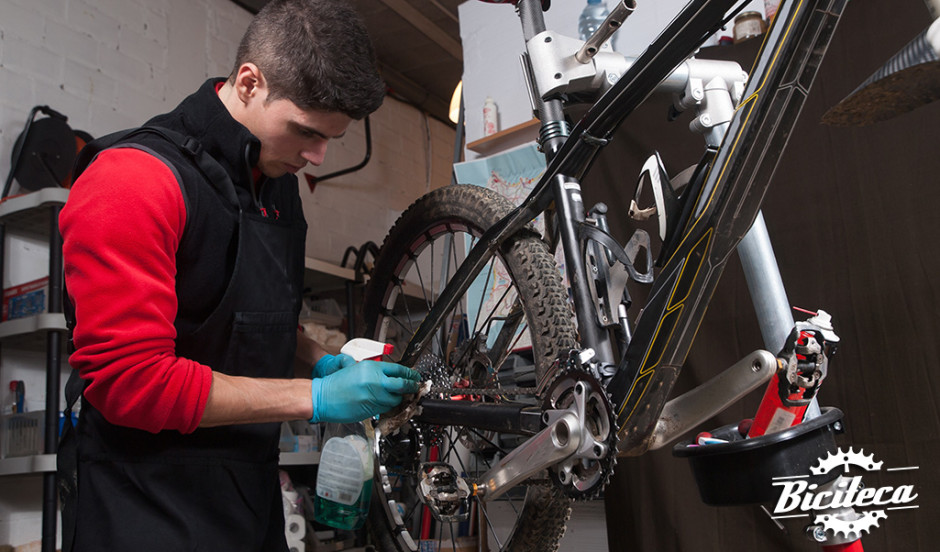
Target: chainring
{"x":583,"y":478}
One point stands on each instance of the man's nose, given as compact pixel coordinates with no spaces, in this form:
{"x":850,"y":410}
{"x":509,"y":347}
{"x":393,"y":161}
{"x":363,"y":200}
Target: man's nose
{"x":315,"y":154}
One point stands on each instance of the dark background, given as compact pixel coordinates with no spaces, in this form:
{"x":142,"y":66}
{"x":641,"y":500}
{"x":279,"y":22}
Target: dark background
{"x":853,"y":216}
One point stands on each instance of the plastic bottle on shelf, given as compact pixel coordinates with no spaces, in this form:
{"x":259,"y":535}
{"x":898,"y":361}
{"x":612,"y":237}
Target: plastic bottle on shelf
{"x":592,"y":16}
{"x":490,"y":117}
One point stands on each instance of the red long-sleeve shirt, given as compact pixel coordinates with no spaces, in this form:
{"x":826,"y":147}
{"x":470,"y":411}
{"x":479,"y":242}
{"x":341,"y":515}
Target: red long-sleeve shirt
{"x":121,"y":228}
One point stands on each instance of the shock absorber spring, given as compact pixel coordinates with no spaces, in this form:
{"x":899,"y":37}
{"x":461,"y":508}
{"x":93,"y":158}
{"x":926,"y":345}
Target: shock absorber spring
{"x":553,"y":130}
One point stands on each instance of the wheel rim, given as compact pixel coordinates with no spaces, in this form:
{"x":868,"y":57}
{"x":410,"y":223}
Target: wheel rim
{"x":471,"y":350}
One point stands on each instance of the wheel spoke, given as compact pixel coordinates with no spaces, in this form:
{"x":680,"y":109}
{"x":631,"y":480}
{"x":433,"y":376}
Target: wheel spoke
{"x":458,"y":351}
{"x":486,"y":284}
{"x":492,"y":530}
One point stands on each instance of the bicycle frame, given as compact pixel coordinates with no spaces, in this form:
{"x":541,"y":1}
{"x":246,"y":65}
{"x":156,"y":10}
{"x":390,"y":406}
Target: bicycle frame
{"x":725,"y":207}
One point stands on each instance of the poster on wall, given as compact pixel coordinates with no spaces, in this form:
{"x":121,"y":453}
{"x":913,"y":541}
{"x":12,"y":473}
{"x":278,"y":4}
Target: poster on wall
{"x":513,"y":174}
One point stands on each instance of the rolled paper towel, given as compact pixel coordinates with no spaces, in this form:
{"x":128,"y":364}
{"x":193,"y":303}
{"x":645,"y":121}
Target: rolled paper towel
{"x":295,"y":527}
{"x":296,"y":545}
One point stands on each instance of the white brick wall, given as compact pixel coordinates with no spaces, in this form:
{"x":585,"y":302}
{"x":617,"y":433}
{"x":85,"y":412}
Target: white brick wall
{"x":112,"y":64}
{"x":411,"y":154}
{"x":108,"y":64}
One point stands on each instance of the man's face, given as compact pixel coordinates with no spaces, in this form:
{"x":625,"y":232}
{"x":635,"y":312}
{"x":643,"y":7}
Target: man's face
{"x":290,"y":136}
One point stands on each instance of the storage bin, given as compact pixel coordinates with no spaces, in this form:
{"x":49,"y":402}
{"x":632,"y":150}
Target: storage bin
{"x":22,"y":434}
{"x":741,"y":471}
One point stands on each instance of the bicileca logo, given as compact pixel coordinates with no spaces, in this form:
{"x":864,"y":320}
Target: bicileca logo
{"x":845,"y":505}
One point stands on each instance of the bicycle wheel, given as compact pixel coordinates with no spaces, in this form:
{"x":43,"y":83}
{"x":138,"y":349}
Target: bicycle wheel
{"x":517,"y":307}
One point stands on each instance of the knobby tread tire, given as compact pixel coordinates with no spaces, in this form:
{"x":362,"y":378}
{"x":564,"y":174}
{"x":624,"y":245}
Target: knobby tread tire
{"x":541,"y":523}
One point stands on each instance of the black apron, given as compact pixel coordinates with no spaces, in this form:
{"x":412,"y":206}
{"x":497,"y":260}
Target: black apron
{"x":215,"y":489}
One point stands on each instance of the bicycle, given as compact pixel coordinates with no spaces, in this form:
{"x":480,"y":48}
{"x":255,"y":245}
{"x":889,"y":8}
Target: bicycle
{"x":542,"y":435}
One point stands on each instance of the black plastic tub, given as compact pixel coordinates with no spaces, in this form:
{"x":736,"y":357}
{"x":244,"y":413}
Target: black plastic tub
{"x":741,"y":471}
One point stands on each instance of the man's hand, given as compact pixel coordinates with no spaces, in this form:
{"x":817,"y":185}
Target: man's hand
{"x":361,"y":390}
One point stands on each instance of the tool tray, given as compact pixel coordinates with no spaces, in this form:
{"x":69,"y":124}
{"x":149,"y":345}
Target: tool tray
{"x":742,"y":470}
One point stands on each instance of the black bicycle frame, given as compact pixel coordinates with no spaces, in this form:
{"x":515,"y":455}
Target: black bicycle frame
{"x":726,"y":206}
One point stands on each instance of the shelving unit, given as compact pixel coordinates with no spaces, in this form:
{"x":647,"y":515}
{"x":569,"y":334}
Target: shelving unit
{"x":37,"y":213}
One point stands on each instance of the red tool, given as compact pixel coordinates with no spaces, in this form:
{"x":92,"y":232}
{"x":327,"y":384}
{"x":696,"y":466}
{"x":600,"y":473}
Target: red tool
{"x":801,"y":368}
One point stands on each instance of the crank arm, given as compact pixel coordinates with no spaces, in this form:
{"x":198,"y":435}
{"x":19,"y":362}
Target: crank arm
{"x":559,"y":440}
{"x":708,"y":399}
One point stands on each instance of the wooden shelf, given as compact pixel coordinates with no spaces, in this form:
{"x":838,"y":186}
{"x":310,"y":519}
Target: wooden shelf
{"x":504,"y":139}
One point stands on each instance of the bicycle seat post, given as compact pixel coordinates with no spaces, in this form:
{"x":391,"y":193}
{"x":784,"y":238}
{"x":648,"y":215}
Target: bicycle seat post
{"x":554,"y":129}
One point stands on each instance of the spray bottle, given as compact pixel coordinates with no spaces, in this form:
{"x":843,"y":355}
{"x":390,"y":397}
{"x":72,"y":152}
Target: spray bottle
{"x":344,"y":477}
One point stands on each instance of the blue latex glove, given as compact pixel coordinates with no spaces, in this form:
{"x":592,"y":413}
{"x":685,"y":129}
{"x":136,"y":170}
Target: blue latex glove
{"x":331,"y":363}
{"x":361,"y":391}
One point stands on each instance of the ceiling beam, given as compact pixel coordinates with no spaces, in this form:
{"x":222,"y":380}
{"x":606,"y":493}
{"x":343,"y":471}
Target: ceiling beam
{"x":426,"y":26}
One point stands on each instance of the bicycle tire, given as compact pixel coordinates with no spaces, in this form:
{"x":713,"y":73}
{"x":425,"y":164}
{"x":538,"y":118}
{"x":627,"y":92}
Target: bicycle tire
{"x":467,"y":210}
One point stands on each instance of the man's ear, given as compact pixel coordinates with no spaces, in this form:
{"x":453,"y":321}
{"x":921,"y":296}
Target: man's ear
{"x":249,"y":83}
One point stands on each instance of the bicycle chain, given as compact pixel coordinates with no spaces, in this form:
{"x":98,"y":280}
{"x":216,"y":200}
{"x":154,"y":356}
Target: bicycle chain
{"x":487,"y":392}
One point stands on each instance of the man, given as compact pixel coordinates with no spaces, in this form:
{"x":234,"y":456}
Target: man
{"x":184,"y":249}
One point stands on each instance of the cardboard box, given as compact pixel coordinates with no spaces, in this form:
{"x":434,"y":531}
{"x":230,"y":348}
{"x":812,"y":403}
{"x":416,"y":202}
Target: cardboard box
{"x":25,"y":299}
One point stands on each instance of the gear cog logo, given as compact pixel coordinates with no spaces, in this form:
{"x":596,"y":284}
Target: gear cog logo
{"x":850,"y":529}
{"x":844,"y":508}
{"x":846,"y":459}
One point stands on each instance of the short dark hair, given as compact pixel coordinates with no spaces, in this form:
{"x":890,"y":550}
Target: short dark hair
{"x":315,"y":53}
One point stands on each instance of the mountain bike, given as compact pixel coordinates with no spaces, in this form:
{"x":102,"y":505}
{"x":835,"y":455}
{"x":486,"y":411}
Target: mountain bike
{"x":535,"y":385}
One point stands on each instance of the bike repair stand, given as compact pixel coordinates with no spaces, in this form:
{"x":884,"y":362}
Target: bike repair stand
{"x":737,"y":464}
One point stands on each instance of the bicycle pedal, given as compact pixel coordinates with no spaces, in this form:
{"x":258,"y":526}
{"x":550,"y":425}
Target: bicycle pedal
{"x":444,"y":492}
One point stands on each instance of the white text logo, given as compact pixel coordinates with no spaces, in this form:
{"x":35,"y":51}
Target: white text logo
{"x":844,"y":494}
